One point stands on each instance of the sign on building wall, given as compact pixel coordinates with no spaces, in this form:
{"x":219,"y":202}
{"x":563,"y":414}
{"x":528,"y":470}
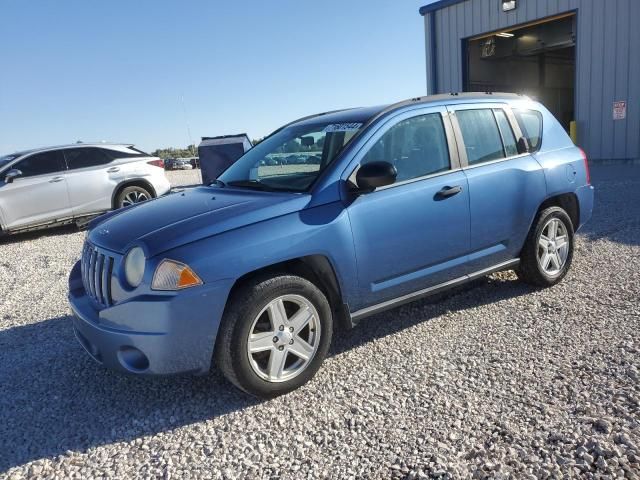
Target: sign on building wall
{"x":619,"y":110}
{"x":508,"y":5}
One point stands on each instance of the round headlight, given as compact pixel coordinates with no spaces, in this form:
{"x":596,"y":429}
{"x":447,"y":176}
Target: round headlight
{"x":134,"y":266}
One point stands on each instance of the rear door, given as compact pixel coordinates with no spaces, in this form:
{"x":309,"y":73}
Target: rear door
{"x":39,"y":195}
{"x":92,"y":176}
{"x":505,"y":187}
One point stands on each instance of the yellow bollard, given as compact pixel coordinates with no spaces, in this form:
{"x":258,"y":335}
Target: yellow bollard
{"x":573,"y":132}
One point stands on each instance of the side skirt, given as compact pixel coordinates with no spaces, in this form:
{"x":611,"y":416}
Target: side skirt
{"x":81,"y":221}
{"x":411,"y":297}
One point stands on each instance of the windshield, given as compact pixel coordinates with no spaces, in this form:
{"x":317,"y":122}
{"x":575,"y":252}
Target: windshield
{"x":292,"y":158}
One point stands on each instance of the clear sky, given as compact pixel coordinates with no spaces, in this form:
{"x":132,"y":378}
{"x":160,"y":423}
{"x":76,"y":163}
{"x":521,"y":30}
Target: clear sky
{"x":116,"y":70}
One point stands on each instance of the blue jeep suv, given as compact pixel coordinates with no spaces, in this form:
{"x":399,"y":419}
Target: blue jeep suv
{"x":256,"y":271}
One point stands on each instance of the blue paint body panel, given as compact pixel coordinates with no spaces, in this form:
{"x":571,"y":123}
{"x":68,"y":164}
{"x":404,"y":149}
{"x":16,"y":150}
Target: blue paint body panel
{"x":382,"y":245}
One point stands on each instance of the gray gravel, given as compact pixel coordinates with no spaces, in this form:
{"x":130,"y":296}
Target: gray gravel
{"x":499,"y":380}
{"x":184,"y":178}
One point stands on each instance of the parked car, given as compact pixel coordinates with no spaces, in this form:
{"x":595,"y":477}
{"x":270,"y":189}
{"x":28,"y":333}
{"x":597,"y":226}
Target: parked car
{"x":178,"y":164}
{"x":58,"y":185}
{"x":257,"y":271}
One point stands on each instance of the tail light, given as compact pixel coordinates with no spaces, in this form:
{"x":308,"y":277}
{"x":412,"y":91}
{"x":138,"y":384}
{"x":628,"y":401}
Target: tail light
{"x":156,"y":163}
{"x":586,"y":166}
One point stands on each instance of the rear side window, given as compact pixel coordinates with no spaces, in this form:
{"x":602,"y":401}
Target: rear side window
{"x":530,"y":122}
{"x":124,"y":152}
{"x":84,"y":157}
{"x":508,"y":138}
{"x":41,"y":164}
{"x":416,"y":146}
{"x":481,"y":136}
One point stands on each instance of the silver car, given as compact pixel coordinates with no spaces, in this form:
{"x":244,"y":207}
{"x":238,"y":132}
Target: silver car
{"x":66,"y":184}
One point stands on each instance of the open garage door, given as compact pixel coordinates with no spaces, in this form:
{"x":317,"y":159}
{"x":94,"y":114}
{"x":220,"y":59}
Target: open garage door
{"x":537,"y":60}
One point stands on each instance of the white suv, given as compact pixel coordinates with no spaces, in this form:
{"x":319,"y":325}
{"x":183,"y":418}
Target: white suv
{"x":59,"y":185}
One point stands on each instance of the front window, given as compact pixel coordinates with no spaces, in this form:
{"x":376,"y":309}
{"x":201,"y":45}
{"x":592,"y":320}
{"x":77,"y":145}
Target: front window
{"x":292,"y":158}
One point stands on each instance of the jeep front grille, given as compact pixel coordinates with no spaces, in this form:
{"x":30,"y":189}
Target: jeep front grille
{"x":97,"y":268}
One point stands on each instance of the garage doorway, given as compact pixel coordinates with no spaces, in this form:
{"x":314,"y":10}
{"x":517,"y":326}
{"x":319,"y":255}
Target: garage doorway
{"x":538,"y":60}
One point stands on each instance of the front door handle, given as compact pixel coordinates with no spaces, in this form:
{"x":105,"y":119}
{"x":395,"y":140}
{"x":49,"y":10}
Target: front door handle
{"x":113,"y":169}
{"x":56,"y":179}
{"x":447,"y":192}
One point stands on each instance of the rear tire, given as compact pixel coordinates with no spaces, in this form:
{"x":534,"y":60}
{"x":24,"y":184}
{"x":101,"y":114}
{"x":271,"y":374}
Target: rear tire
{"x":131,"y":195}
{"x":274,"y":335}
{"x":548,"y":250}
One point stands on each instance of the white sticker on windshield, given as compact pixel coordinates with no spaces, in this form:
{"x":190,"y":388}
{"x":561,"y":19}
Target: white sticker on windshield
{"x":341,"y":127}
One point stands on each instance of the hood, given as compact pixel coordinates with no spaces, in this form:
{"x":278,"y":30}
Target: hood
{"x":193,"y":214}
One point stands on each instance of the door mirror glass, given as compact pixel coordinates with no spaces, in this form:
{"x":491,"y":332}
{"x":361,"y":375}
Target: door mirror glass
{"x":375,"y":174}
{"x":12,"y":175}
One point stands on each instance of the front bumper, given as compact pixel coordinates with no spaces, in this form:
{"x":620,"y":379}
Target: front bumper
{"x":150,"y":334}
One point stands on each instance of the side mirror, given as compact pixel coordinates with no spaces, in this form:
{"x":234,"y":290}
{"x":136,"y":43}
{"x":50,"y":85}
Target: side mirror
{"x":375,"y":174}
{"x":523,"y":145}
{"x":12,"y":175}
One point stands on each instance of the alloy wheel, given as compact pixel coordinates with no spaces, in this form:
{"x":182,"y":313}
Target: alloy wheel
{"x":553,"y":247}
{"x":284,"y":338}
{"x":134,"y":197}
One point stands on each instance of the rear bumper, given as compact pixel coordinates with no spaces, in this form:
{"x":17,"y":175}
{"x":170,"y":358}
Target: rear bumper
{"x":585,"y":200}
{"x":178,"y":336}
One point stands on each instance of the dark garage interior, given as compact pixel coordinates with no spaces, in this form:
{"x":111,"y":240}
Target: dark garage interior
{"x":536,"y":59}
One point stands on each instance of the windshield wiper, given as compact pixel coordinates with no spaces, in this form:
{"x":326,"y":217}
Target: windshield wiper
{"x":219,"y":183}
{"x":255,"y":184}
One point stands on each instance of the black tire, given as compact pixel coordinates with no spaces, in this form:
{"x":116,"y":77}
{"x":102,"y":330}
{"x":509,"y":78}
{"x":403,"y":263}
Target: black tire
{"x":124,"y":197}
{"x":231,"y":351}
{"x":530,"y":269}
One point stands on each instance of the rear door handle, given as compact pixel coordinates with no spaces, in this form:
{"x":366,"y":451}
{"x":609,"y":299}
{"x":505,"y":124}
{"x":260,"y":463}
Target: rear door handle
{"x":113,"y":169}
{"x":447,"y":192}
{"x":56,"y":179}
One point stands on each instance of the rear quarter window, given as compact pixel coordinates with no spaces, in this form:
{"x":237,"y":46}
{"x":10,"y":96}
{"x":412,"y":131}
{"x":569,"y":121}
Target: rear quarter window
{"x":530,"y":122}
{"x":117,"y":153}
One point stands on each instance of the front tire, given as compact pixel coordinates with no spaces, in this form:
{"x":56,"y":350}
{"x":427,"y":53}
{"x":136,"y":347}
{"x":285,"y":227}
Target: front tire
{"x":274,"y":335}
{"x":548,"y":251}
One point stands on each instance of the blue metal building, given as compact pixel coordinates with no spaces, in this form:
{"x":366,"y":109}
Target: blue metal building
{"x":579,"y":57}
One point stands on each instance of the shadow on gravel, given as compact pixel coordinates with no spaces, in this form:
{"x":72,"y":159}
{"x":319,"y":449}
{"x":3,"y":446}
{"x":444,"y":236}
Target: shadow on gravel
{"x":54,"y":398}
{"x":49,"y":232}
{"x":477,"y":293}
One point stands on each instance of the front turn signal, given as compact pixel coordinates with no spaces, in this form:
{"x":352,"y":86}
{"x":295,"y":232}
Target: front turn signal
{"x":173,"y":275}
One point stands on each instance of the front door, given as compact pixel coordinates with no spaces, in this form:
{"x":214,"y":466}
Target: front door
{"x":415,"y":233}
{"x":39,"y":194}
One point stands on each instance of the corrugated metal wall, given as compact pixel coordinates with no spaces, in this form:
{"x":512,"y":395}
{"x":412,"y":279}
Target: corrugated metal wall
{"x":607,"y":61}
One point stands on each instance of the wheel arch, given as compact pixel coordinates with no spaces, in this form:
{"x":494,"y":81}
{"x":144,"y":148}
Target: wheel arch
{"x":568,"y":202}
{"x":315,"y":268}
{"x":135,"y":182}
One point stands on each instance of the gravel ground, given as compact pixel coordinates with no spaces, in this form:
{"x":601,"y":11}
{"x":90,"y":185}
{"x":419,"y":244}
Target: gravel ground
{"x":498,"y":380}
{"x":184,"y":178}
